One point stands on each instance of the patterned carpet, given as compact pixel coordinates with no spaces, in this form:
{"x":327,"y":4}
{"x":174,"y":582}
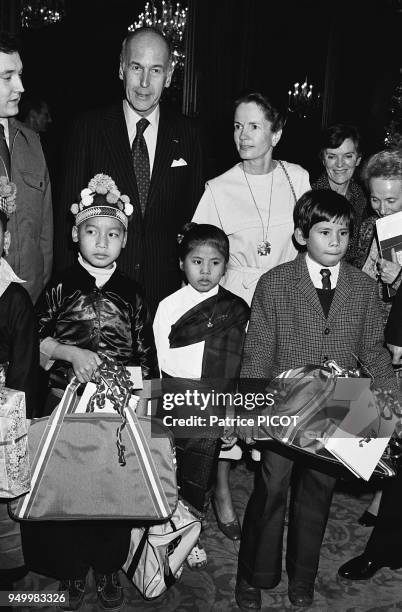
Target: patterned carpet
{"x":212,"y":589}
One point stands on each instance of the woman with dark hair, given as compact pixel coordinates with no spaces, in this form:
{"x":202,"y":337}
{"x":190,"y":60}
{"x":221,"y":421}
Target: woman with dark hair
{"x":340,"y":154}
{"x":253,"y":203}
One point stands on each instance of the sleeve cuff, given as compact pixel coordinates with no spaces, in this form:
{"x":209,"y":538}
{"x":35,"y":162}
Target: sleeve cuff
{"x":46,"y":348}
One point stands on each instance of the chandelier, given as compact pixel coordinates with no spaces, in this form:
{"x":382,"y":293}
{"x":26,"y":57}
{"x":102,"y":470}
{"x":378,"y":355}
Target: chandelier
{"x":302,"y":100}
{"x":38,"y":13}
{"x":168,"y":18}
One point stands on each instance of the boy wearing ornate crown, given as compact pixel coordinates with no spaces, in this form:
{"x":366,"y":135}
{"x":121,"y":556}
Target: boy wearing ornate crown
{"x":90,"y":311}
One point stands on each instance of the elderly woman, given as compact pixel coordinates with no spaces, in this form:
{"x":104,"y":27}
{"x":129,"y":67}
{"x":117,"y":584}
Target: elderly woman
{"x":383,"y":176}
{"x":340,"y":154}
{"x":253,"y":203}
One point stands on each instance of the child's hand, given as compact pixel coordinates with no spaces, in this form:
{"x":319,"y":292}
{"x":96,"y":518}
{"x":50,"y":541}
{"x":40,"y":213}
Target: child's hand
{"x":84,"y":363}
{"x":228,"y":442}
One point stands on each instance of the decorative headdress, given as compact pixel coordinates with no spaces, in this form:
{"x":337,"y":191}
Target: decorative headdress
{"x":102,"y":199}
{"x":8,"y":193}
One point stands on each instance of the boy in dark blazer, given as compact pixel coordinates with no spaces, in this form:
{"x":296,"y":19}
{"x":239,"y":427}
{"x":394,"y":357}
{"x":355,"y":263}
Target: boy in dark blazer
{"x":306,"y":311}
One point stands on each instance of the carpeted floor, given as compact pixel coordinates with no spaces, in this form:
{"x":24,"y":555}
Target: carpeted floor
{"x":212,"y":589}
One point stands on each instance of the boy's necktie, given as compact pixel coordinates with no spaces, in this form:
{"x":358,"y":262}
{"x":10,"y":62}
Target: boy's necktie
{"x":141,"y":163}
{"x":4,"y":154}
{"x":326,"y":281}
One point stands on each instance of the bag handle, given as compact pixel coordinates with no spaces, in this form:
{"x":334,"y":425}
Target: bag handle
{"x":46,"y":445}
{"x":137,"y":555}
{"x":147,"y":464}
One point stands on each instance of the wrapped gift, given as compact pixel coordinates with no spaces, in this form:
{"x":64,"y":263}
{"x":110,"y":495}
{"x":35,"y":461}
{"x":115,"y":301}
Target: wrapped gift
{"x":14,"y":462}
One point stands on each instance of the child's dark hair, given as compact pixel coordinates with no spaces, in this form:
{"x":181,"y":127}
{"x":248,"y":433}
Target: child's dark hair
{"x":196,"y":234}
{"x":322,"y":205}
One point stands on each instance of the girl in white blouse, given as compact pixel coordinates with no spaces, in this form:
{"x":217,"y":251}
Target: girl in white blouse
{"x":199,"y":333}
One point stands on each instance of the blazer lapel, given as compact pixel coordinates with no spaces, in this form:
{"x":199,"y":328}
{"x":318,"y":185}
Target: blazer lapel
{"x":305,"y":286}
{"x":115,"y":132}
{"x":166,"y":147}
{"x":342,"y":291}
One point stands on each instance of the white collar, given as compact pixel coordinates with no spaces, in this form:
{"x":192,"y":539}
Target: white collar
{"x":197,"y":296}
{"x":101,"y":275}
{"x":4,"y":121}
{"x":132,"y":118}
{"x":314,"y":271}
{"x":7,"y":276}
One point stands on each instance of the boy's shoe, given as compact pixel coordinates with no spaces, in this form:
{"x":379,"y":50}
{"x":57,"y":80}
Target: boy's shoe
{"x":109,"y":590}
{"x":301,"y":593}
{"x":75,"y":591}
{"x":247,"y":597}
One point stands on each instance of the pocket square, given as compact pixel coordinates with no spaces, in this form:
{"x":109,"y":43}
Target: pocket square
{"x":178,"y":162}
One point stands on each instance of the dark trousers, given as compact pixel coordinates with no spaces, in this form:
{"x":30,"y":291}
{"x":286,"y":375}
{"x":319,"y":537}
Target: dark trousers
{"x":67,"y":550}
{"x":385,"y":542}
{"x":260,"y":558}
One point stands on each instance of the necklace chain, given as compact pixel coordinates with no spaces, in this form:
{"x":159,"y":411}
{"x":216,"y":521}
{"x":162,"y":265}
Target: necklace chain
{"x":264,"y":247}
{"x":211,"y":316}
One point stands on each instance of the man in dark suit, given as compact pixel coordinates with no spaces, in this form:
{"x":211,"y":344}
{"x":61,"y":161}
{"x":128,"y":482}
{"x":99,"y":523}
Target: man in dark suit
{"x":152,"y":154}
{"x":306,"y":311}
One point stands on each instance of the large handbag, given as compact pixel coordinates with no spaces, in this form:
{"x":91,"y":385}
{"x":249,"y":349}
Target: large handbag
{"x":157,"y":552}
{"x":98,"y":465}
{"x":310,"y":406}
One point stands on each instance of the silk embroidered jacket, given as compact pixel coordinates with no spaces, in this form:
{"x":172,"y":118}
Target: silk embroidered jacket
{"x":112,"y":320}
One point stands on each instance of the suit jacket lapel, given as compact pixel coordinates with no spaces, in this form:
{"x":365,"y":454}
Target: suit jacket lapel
{"x":166,"y":147}
{"x":305,"y":285}
{"x":342,"y":291}
{"x":115,"y":132}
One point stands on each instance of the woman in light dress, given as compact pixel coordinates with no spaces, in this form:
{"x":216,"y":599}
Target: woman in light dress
{"x":253,"y":203}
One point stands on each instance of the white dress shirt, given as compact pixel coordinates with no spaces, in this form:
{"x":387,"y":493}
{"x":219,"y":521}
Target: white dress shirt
{"x":151,"y":132}
{"x":314,"y":270}
{"x":4,"y":121}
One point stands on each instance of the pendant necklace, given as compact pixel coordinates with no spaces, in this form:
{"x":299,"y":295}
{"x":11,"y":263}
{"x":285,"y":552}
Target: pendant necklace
{"x":263,"y":247}
{"x":211,"y":316}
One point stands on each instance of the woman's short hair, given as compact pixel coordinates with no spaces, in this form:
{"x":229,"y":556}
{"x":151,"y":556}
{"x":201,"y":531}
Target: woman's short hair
{"x":271,"y":111}
{"x":333,"y":137}
{"x":197,"y":234}
{"x":385,"y":164}
{"x":322,"y":205}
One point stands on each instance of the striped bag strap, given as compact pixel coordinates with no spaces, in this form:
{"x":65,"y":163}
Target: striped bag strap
{"x":45,"y":448}
{"x":282,"y":165}
{"x":147,"y":464}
